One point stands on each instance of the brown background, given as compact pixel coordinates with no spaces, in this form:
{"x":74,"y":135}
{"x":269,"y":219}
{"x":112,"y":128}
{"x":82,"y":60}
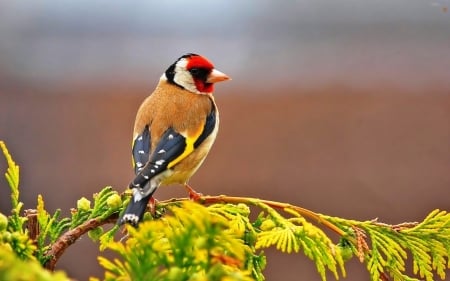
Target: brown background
{"x":340,"y":108}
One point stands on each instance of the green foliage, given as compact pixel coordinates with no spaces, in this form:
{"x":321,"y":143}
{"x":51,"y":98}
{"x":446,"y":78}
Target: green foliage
{"x":14,"y":268}
{"x":383,"y":248}
{"x":51,"y":228}
{"x":13,"y":236}
{"x":295,"y":233}
{"x":269,"y":229}
{"x":427,"y":243}
{"x":240,"y":224}
{"x":106,"y":202}
{"x":12,"y":176}
{"x":193,"y":243}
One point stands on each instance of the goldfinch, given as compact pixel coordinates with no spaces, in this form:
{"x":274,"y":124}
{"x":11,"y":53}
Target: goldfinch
{"x":174,"y":130}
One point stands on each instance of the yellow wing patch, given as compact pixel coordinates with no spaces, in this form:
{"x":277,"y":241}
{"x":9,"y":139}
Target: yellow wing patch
{"x":190,"y":140}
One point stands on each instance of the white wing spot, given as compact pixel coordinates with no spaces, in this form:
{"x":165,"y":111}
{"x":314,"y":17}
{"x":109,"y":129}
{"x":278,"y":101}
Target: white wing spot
{"x":160,"y":162}
{"x":141,"y":152}
{"x":139,"y":138}
{"x":156,"y":166}
{"x":146,"y":177}
{"x":161,"y":151}
{"x":139,"y":164}
{"x":170,"y":137}
{"x":152,"y":171}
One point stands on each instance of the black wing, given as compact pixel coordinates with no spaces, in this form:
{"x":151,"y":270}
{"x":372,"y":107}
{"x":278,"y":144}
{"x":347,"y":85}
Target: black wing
{"x":210,"y":124}
{"x":141,"y":150}
{"x":171,"y":145}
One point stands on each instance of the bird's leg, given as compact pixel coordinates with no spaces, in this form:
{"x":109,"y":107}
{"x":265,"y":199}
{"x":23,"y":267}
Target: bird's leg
{"x":193,"y":195}
{"x":152,"y":205}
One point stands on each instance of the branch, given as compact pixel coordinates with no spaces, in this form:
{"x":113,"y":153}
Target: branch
{"x":71,"y":236}
{"x":256,"y":202}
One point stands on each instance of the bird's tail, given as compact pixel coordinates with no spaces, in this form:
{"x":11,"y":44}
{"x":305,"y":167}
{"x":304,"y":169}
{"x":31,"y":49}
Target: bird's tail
{"x":135,"y":210}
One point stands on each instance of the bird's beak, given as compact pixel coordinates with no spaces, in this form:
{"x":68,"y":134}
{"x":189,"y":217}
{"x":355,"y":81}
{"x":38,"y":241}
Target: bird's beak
{"x":217,"y":76}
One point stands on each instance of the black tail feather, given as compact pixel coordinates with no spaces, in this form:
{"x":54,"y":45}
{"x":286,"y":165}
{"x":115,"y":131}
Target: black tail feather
{"x":135,"y":211}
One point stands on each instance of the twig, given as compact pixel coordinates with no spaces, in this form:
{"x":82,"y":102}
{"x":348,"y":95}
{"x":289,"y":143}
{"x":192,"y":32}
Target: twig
{"x":384,"y":277}
{"x":397,"y":227}
{"x":71,"y":236}
{"x":32,"y":224}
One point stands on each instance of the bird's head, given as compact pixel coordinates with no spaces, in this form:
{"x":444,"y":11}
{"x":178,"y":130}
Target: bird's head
{"x":195,"y":74}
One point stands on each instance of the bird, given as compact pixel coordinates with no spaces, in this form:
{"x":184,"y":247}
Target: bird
{"x":174,"y":129}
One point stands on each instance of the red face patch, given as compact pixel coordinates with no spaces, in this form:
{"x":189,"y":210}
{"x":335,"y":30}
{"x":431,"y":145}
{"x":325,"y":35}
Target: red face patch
{"x":200,"y":62}
{"x":203,"y":86}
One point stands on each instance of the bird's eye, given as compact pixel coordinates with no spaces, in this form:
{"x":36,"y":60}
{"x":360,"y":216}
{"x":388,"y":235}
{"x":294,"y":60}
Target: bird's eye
{"x":194,"y":71}
{"x":199,"y":73}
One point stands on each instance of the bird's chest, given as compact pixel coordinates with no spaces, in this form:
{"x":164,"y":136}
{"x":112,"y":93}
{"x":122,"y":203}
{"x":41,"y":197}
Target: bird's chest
{"x":183,"y":171}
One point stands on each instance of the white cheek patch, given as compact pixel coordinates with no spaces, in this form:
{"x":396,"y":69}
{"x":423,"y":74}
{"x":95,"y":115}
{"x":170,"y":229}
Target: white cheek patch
{"x":183,"y":77}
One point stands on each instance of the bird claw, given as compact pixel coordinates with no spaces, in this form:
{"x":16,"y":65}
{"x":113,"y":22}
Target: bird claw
{"x":152,"y":206}
{"x":193,"y":195}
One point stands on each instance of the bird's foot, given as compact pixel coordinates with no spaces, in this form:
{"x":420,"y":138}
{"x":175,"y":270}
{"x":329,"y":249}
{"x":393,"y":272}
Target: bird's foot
{"x":155,"y":210}
{"x":152,"y":206}
{"x":193,"y":195}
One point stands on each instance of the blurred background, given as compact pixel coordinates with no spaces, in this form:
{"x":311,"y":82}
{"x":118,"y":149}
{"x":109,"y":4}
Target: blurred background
{"x":342,"y":107}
